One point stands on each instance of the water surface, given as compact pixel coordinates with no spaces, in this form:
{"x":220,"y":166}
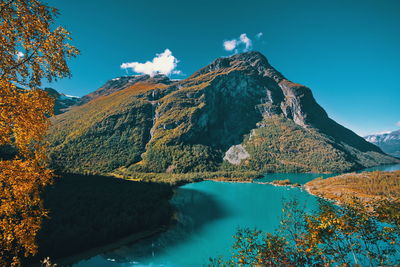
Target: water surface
{"x":209,"y":214}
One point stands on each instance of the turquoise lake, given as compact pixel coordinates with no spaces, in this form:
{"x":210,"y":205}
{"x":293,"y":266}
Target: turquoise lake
{"x":209,"y":214}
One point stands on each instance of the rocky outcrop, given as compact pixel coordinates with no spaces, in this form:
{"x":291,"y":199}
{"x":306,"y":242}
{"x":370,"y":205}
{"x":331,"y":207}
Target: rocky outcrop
{"x":236,"y":154}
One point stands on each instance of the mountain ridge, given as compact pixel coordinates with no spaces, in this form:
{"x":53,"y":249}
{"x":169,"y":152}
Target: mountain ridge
{"x":389,"y":142}
{"x":62,"y":102}
{"x":120,"y":83}
{"x":191,"y":125}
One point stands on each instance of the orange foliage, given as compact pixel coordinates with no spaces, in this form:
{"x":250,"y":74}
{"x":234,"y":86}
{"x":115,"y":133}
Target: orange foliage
{"x":368,"y":187}
{"x":29,"y":51}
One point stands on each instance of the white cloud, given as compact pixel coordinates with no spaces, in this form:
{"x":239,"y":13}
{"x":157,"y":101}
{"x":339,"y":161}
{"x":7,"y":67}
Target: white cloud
{"x":246,"y":41}
{"x":242,"y":43}
{"x":398,"y":123}
{"x":259,"y":35}
{"x":164,"y":63}
{"x":230,"y":45}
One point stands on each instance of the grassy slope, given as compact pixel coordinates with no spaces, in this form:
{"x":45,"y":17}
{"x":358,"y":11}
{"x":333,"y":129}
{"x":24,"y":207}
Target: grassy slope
{"x":367,"y":186}
{"x":280,"y":145}
{"x":89,"y":137}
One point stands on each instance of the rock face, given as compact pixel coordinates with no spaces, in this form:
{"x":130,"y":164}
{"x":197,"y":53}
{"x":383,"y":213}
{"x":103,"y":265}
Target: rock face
{"x":236,"y":154}
{"x":388,"y":142}
{"x":238,"y":113}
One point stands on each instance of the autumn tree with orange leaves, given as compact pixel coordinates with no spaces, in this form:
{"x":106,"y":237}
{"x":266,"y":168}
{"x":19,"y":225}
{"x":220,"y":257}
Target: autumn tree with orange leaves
{"x":30,"y":50}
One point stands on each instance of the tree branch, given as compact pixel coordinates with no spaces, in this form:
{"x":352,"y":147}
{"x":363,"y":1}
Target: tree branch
{"x":20,"y":63}
{"x":5,"y":6}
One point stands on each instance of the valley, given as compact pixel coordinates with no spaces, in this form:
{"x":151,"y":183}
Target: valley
{"x":208,"y":215}
{"x":199,"y":133}
{"x":231,"y":127}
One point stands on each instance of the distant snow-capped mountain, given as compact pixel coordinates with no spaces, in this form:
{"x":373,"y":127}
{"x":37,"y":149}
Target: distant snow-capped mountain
{"x":389,"y":142}
{"x":62,"y":101}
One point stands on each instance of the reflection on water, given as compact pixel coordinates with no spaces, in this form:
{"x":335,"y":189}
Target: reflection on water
{"x":196,"y":209}
{"x":210,"y":213}
{"x":208,"y":216}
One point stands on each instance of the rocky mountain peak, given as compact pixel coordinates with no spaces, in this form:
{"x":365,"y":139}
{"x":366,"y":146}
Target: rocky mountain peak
{"x":252,"y":61}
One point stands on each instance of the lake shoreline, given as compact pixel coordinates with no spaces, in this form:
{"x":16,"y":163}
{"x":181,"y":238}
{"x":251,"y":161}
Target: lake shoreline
{"x":92,"y":252}
{"x":307,"y":189}
{"x":136,"y":237}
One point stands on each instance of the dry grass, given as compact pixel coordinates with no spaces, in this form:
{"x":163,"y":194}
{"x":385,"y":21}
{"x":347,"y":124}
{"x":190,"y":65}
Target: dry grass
{"x":368,"y":187}
{"x":281,"y":182}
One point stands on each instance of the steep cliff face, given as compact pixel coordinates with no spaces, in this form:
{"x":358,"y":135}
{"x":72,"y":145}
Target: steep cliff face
{"x":236,"y":113}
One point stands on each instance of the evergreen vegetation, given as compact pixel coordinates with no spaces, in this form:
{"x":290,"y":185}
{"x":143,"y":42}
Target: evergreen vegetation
{"x":180,"y":159}
{"x":280,"y":145}
{"x":87,"y":211}
{"x":183,"y":178}
{"x":105,"y":134}
{"x":187,"y":126}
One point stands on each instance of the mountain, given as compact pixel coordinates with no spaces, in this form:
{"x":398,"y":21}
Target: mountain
{"x":62,"y":101}
{"x":388,"y":142}
{"x":120,"y":83}
{"x":238,"y":113}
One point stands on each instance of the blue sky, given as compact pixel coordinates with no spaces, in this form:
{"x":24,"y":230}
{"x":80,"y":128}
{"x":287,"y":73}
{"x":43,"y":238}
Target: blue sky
{"x":346,"y":51}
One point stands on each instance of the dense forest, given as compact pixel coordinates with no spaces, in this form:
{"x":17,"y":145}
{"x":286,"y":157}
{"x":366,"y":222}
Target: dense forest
{"x":86,"y":172}
{"x":183,"y":178}
{"x":95,"y":136}
{"x":87,"y":211}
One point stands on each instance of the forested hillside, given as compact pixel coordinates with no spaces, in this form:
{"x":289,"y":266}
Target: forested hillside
{"x":236,"y":114}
